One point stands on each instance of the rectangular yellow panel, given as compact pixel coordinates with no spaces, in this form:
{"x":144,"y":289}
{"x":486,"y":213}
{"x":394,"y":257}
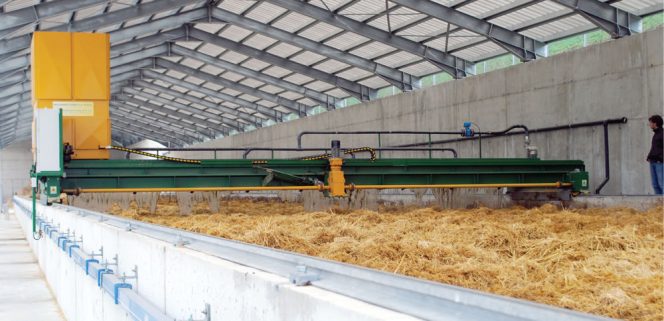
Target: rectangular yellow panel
{"x":92,"y":132}
{"x":90,"y":66}
{"x":51,"y":65}
{"x":67,"y":130}
{"x":71,"y":71}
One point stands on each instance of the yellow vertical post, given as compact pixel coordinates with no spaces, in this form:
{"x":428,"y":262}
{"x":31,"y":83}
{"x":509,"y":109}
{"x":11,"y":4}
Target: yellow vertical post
{"x":71,"y":71}
{"x":336,"y":179}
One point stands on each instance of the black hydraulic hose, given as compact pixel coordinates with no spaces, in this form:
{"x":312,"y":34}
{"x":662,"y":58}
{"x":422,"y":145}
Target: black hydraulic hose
{"x":525,"y":129}
{"x":606,"y":158}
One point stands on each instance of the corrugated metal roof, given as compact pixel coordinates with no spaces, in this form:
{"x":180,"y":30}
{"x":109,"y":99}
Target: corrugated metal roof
{"x":287,"y":66}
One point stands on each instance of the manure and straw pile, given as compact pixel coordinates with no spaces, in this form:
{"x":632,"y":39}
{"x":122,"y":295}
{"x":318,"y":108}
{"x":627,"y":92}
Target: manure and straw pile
{"x":602,"y":261}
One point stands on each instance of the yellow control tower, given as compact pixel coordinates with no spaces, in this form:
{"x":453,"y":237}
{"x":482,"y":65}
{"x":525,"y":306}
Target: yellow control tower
{"x":71,"y":72}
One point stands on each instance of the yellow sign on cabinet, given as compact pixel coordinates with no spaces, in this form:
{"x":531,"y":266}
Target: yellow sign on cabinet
{"x":75,"y":108}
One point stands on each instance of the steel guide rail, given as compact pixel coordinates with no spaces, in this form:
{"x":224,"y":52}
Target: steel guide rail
{"x":416,"y":297}
{"x":105,"y":278}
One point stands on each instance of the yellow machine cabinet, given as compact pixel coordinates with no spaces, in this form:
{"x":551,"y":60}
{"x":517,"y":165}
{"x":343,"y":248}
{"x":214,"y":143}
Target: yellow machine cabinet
{"x":71,"y":71}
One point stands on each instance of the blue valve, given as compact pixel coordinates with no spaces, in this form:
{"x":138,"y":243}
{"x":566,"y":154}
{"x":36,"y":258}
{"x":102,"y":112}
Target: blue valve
{"x":467,"y":131}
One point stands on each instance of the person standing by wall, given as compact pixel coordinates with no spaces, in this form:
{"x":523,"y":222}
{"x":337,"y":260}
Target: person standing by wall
{"x":656,"y":154}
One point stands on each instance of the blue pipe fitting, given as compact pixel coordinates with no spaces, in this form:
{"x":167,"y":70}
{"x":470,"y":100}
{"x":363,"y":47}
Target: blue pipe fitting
{"x":64,"y":244}
{"x":59,"y":241}
{"x":467,"y":131}
{"x":116,"y":290}
{"x":87,"y":265}
{"x":50,"y":233}
{"x":73,"y":246}
{"x":100,"y":275}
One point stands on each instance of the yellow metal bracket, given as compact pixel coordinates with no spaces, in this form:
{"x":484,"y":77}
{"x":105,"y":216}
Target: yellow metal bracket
{"x":336,"y":179}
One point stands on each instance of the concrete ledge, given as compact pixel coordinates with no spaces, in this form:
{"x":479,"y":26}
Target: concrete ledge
{"x":637,"y":202}
{"x":180,"y":281}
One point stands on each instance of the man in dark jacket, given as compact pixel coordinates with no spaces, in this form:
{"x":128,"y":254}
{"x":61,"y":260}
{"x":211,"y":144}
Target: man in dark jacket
{"x":656,"y":155}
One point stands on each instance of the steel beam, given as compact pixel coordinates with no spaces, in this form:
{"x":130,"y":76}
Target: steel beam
{"x":146,"y":42}
{"x":174,"y":104}
{"x":175,"y":122}
{"x":230,"y":122}
{"x":521,"y":46}
{"x":400,"y":79}
{"x":43,"y":11}
{"x":361,"y":92}
{"x":104,"y":20}
{"x":149,"y":129}
{"x":124,"y":100}
{"x":159,"y":50}
{"x":122,"y":78}
{"x":159,"y":24}
{"x":253,"y":120}
{"x":142,"y":134}
{"x":14,"y":77}
{"x":300,"y":109}
{"x":14,"y":89}
{"x":196,"y":136}
{"x":12,"y":115}
{"x":618,"y":23}
{"x":325,"y":100}
{"x":155,"y":123}
{"x":452,"y":65}
{"x":13,"y":63}
{"x":14,"y":137}
{"x":24,"y":127}
{"x":15,"y":99}
{"x":268,"y":112}
{"x":133,"y":66}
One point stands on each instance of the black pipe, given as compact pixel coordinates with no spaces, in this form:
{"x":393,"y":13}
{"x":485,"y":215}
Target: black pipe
{"x":372,"y":132}
{"x":530,"y":131}
{"x":235,"y":149}
{"x":606,"y":158}
{"x":252,"y":149}
{"x":604,"y":123}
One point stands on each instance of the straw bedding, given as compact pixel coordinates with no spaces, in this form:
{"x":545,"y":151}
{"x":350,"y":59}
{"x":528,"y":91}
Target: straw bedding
{"x":602,"y":261}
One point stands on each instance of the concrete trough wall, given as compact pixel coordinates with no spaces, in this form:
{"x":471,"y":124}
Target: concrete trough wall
{"x":618,"y":78}
{"x":180,"y":281}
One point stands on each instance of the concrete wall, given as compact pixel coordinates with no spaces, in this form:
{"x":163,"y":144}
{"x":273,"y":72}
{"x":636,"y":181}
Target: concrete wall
{"x":15,"y":163}
{"x":609,"y":80}
{"x":179,"y":281}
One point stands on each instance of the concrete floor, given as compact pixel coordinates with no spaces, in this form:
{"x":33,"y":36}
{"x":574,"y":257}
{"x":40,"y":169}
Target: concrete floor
{"x":24,"y":294}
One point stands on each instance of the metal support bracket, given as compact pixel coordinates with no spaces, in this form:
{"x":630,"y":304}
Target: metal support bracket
{"x":73,"y":246}
{"x":100,"y":274}
{"x":302,"y":276}
{"x":87,"y":265}
{"x":116,"y":290}
{"x":180,"y":241}
{"x":124,"y":276}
